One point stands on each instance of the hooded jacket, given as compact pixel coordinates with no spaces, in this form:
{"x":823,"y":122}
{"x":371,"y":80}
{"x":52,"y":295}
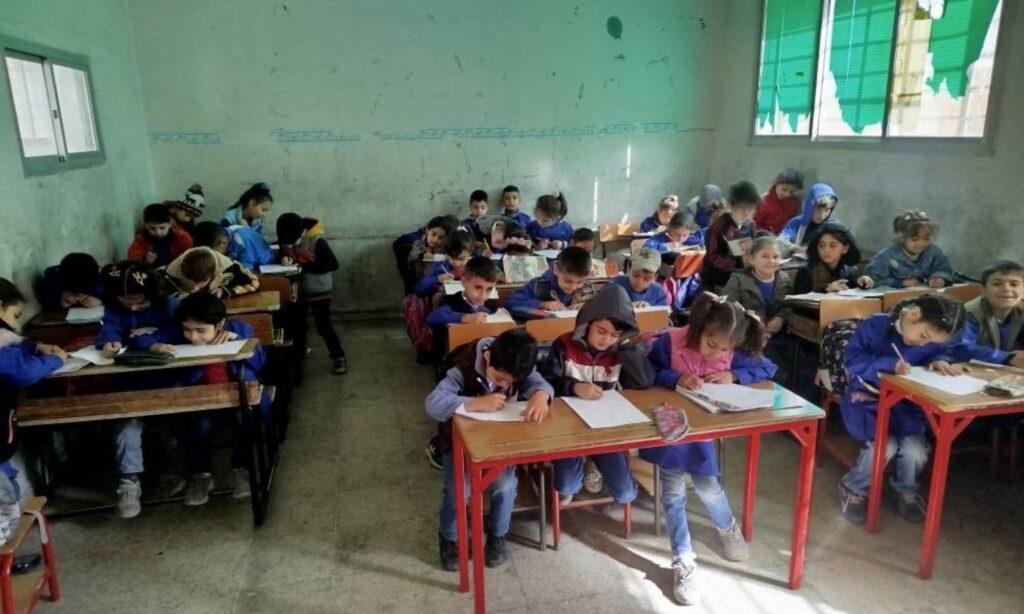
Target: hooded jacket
{"x":700,"y":205}
{"x":314,"y":254}
{"x":231,"y":277}
{"x":774,"y":212}
{"x":799,"y":229}
{"x":986,"y":338}
{"x":248,"y":247}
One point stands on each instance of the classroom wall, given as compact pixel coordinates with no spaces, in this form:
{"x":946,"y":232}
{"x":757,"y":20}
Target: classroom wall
{"x":376,"y":116}
{"x":974,"y":195}
{"x":94,"y":209}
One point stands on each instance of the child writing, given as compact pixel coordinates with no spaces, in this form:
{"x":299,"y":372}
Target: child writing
{"x":704,"y":206}
{"x":561,"y":286}
{"x":658,"y":220}
{"x":681,"y":231}
{"x":831,"y":263}
{"x":549,"y":230}
{"x":734,"y":224}
{"x":485,"y":375}
{"x":431,"y":243}
{"x":75,"y":282}
{"x":201,"y":268}
{"x":159,"y":242}
{"x":585,"y":238}
{"x":458,"y":248}
{"x":212,"y":235}
{"x":912,"y":260}
{"x":477,"y":210}
{"x":722,"y":344}
{"x":995,"y":319}
{"x":916,"y":332}
{"x":185,"y":212}
{"x":250,"y":208}
{"x":819,"y":205}
{"x":781,"y":202}
{"x":505,"y":236}
{"x":640,"y":283}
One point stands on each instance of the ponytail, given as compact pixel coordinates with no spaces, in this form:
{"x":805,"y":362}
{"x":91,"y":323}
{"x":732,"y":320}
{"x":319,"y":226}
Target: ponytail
{"x":715,"y":314}
{"x":554,"y":205}
{"x":257,"y":192}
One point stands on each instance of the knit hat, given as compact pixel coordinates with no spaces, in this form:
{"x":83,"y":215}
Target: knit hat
{"x":194,"y":201}
{"x":646,"y":260}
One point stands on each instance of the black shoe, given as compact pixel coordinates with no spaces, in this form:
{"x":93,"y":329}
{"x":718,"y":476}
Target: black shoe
{"x":339,"y":366}
{"x":911,"y":507}
{"x":853,"y":505}
{"x":449,"y":551}
{"x":433,"y":451}
{"x":495,"y":551}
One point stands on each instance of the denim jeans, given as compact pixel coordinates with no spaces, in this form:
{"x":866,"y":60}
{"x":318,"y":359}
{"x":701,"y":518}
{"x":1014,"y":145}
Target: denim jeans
{"x":614,"y":469}
{"x":10,"y":492}
{"x":128,"y":447}
{"x":673,"y":501}
{"x":503,"y":498}
{"x":911,"y":456}
{"x":200,"y":449}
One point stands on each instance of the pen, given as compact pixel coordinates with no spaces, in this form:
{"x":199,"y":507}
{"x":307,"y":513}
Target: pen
{"x":897,"y":350}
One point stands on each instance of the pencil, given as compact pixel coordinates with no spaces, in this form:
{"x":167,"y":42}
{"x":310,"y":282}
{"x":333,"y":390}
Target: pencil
{"x":897,"y":350}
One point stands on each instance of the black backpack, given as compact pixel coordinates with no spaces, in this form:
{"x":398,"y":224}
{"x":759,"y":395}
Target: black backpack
{"x":833,"y":352}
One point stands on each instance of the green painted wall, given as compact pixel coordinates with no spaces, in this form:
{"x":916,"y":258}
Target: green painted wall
{"x":93,"y":209}
{"x":377,"y":115}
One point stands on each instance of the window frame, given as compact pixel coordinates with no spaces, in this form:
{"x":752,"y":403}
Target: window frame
{"x":36,"y":166}
{"x":980,"y":146}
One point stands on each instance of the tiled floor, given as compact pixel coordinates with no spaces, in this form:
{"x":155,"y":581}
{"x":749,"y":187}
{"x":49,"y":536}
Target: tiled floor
{"x":352,"y":528}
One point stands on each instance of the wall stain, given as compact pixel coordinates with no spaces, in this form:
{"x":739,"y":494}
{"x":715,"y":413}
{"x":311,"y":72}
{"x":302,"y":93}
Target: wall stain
{"x":458,"y":63}
{"x":579,"y":95}
{"x":703,"y":24}
{"x":614,"y":27}
{"x":662,"y":60}
{"x":619,"y":57}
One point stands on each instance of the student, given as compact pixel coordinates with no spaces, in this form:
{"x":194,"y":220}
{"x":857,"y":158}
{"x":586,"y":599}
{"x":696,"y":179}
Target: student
{"x":510,"y":200}
{"x":658,"y":221}
{"x":912,"y":260}
{"x":202,"y":320}
{"x":432,"y":242}
{"x":250,"y":208}
{"x":248,"y":247}
{"x":484,"y":376}
{"x":704,"y":206}
{"x":159,"y":242}
{"x":477,"y":209}
{"x":596,"y":356}
{"x":557,"y":288}
{"x":212,"y":235}
{"x":781,"y":202}
{"x":995,"y":320}
{"x":736,"y":223}
{"x":75,"y":282}
{"x":549,"y":230}
{"x":832,"y":262}
{"x":302,"y":242}
{"x":472,"y":305}
{"x":585,"y":238}
{"x":722,"y":344}
{"x":458,"y":248}
{"x":640,"y":283}
{"x":401,"y":247}
{"x":22,"y":363}
{"x":916,"y":331}
{"x":201,"y":268}
{"x":681,"y":231}
{"x":185,"y":212}
{"x":819,"y":206}
{"x":505,"y":236}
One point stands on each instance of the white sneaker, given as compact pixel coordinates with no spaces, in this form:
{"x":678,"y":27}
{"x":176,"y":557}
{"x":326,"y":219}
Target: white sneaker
{"x":128,"y":494}
{"x":240,"y":483}
{"x":684,"y":581}
{"x":734,"y":547}
{"x":592,"y":480}
{"x":10,"y":515}
{"x":564,"y":500}
{"x":198,"y":490}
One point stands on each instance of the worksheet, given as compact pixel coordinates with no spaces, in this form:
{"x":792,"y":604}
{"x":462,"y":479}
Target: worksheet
{"x":550,"y":254}
{"x":511,"y":412}
{"x":501,"y":315}
{"x":951,"y":384}
{"x":612,"y":409}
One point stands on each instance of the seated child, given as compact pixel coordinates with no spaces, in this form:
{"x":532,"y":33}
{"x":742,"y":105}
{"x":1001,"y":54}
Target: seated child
{"x":722,"y":344}
{"x":819,"y":204}
{"x":201,"y":268}
{"x":658,"y":221}
{"x":510,"y":200}
{"x":505,"y":237}
{"x":916,"y":332}
{"x":458,"y":248}
{"x":477,"y":210}
{"x":597,"y":356}
{"x":735,"y":223}
{"x":681,"y":231}
{"x":561,"y":286}
{"x":995,"y":319}
{"x":781,"y":202}
{"x":640,"y":283}
{"x":832,"y":262}
{"x":471,"y":306}
{"x":212,"y":235}
{"x":185,"y":212}
{"x":485,"y":375}
{"x":401,"y":247}
{"x":584,"y":237}
{"x":250,"y":208}
{"x":159,"y":242}
{"x":706,"y":205}
{"x":75,"y":282}
{"x":912,"y":260}
{"x":549,"y":230}
{"x":432,"y":242}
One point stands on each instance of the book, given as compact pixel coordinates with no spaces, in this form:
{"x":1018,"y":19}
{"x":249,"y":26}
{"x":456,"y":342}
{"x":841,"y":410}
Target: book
{"x":84,"y":315}
{"x":521,"y":269}
{"x":611,"y":410}
{"x":735,"y":248}
{"x":730,"y":398}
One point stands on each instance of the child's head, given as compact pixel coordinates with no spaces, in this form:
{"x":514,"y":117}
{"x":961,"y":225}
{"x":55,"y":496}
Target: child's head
{"x":201,"y":316}
{"x":157,"y":220}
{"x":915,"y":231}
{"x":199,"y":267}
{"x":718,"y":326}
{"x":1003,"y":284}
{"x":477,"y":204}
{"x":291,"y":227}
{"x":255,"y":202}
{"x":511,"y":237}
{"x":132,"y":285}
{"x":12,"y":301}
{"x":765,"y":256}
{"x":458,"y":247}
{"x":833,"y":246}
{"x":510,"y":199}
{"x":479,"y":279}
{"x":549,"y":209}
{"x":743,"y":201}
{"x":666,"y":209}
{"x":643,"y":269}
{"x":585,"y":238}
{"x":606,"y":320}
{"x":572,"y":269}
{"x":212,"y":235}
{"x":681,"y":226}
{"x":788,"y":183}
{"x":438,"y":229}
{"x":511,"y":357}
{"x":824,"y":204}
{"x":190,"y":207}
{"x":78,"y":273}
{"x":928,"y":318}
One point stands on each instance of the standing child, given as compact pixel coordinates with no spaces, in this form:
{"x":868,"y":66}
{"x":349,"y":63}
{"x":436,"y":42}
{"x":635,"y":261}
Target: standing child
{"x":201,"y":268}
{"x":458,"y":248}
{"x":510,"y":200}
{"x":585,"y":238}
{"x":781,"y":202}
{"x":185,"y":212}
{"x":995,"y":320}
{"x":212,"y":235}
{"x":722,"y":344}
{"x":559,"y":287}
{"x":658,"y":221}
{"x":160,"y":241}
{"x":916,"y":332}
{"x":549,"y":230}
{"x":250,"y":208}
{"x":640,"y":283}
{"x":75,"y":282}
{"x":681,"y":231}
{"x":832,"y":262}
{"x":486,"y":374}
{"x":912,"y":260}
{"x":706,"y":205}
{"x":736,"y":223}
{"x":302,"y":242}
{"x":819,"y":205}
{"x":477,"y":210}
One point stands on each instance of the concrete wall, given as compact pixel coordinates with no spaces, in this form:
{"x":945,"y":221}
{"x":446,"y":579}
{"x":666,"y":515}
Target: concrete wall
{"x":972,"y":192}
{"x":94,"y":209}
{"x":376,"y":116}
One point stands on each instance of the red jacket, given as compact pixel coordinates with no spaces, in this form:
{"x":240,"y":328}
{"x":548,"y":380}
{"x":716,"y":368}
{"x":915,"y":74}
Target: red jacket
{"x":773,"y":213}
{"x":175,"y":244}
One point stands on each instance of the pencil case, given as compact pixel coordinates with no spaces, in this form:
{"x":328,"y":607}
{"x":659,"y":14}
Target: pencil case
{"x":143,"y":358}
{"x":671,"y":422}
{"x":1009,"y":386}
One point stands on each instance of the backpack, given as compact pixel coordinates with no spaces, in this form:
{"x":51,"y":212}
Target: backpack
{"x":836,"y":337}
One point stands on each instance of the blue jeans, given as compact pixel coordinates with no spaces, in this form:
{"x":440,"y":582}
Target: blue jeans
{"x":911,"y":456}
{"x":128,"y":446}
{"x":673,"y":501}
{"x":198,"y":427}
{"x":503,"y":498}
{"x":10,"y":492}
{"x":614,"y":469}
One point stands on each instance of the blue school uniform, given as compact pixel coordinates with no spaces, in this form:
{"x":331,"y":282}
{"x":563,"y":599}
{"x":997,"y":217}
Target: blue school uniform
{"x":247,"y":246}
{"x":653,"y":295}
{"x":800,"y":229}
{"x":472,"y":224}
{"x":233,"y":217}
{"x":50,"y":288}
{"x":893,"y":264}
{"x":536,"y":291}
{"x":559,"y":231}
{"x":427,"y":285}
{"x":519,"y":217}
{"x":660,"y":242}
{"x":650,"y":224}
{"x":118,"y":322}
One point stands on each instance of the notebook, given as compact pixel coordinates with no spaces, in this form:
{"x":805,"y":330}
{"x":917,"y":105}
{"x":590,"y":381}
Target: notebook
{"x":199,"y":351}
{"x":84,"y":315}
{"x":717,"y":398}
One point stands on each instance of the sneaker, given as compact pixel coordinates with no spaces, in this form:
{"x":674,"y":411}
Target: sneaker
{"x":171,"y":485}
{"x":734,"y":547}
{"x":852,"y":505}
{"x":10,"y":515}
{"x":684,"y":584}
{"x":339,"y":366}
{"x":564,"y":500}
{"x":240,"y":483}
{"x":433,"y":451}
{"x":495,"y":551}
{"x":449,"y":552}
{"x":592,"y":480}
{"x":129,"y":491}
{"x":911,"y":507}
{"x":198,"y":490}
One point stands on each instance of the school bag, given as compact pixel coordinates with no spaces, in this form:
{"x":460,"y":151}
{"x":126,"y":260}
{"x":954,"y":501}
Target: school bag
{"x":833,"y":354}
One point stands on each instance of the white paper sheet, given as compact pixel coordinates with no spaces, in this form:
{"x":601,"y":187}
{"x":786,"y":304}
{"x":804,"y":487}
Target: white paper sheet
{"x":278,"y":269}
{"x":811,"y":297}
{"x":952,"y":384}
{"x":612,"y":409}
{"x":454,"y":287}
{"x":71,"y":365}
{"x":82,"y":315}
{"x":861,"y":293}
{"x":197,"y":351}
{"x":643,"y":235}
{"x":735,"y":248}
{"x":651,"y":308}
{"x":565,"y":313}
{"x":94,"y":356}
{"x":509,"y":413}
{"x":434,"y":257}
{"x":501,"y":315}
{"x":550,"y":254}
{"x":731,"y":397}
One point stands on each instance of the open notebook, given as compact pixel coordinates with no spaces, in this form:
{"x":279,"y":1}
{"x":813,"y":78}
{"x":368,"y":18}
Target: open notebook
{"x":718,"y":398}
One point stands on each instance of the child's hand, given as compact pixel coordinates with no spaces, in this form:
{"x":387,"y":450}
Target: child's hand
{"x":945,"y":368}
{"x":551,"y":306}
{"x":111,"y":348}
{"x":689,"y":382}
{"x":51,"y":350}
{"x":837,"y":286}
{"x":1017,"y":359}
{"x":588,"y":391}
{"x":150,"y":257}
{"x":143,"y":330}
{"x":67,"y":299}
{"x":720,"y":377}
{"x":445,"y":277}
{"x":223,"y":337}
{"x":640,"y":304}
{"x":774,"y":325}
{"x":902,"y":367}
{"x":90,"y":301}
{"x":911,"y":283}
{"x":474,"y":318}
{"x":936,"y":282}
{"x":537,"y":407}
{"x":542,"y":244}
{"x":865,"y":282}
{"x":287,"y":261}
{"x":487,"y":403}
{"x":162,"y":348}
{"x":745,"y":244}
{"x":556,"y":244}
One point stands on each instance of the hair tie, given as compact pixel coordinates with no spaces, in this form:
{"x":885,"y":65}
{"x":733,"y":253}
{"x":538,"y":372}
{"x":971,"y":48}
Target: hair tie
{"x":753,"y":315}
{"x":717,"y":298}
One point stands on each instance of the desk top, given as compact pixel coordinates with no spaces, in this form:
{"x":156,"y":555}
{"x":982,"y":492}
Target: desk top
{"x":55,"y":317}
{"x":952,"y":402}
{"x":254,"y":302}
{"x":563,"y":430}
{"x":246,"y":352}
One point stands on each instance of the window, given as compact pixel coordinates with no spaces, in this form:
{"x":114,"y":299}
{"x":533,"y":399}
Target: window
{"x":876,"y":68}
{"x":52,"y":105}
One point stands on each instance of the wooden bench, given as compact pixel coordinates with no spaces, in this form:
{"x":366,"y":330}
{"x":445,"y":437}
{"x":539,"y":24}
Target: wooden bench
{"x":20,"y":593}
{"x":254,"y":302}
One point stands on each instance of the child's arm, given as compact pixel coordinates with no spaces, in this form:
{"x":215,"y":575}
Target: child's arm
{"x":661,"y":361}
{"x":878,"y":271}
{"x":803,"y":283}
{"x":538,"y":394}
{"x":783,"y":309}
{"x":731,"y":289}
{"x":750,"y":369}
{"x":427,"y":285}
{"x":111,"y":330}
{"x":324,"y":259}
{"x":139,"y":248}
{"x":552,"y":368}
{"x":941,"y":268}
{"x":239,"y":280}
{"x":169,"y":334}
{"x":21,"y":365}
{"x":718,"y":253}
{"x":658,"y":246}
{"x":968,"y":348}
{"x":863,"y":360}
{"x":658,"y":297}
{"x":445,"y":315}
{"x":524,"y":298}
{"x":444,"y":399}
{"x":637,"y":372}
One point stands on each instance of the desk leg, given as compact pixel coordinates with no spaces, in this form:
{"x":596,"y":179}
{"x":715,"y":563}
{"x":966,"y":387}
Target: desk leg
{"x":459,"y":497}
{"x":750,"y":485}
{"x":945,"y":432}
{"x":247,"y":428}
{"x":802,"y":506}
{"x":887,"y":399}
{"x":478,"y":485}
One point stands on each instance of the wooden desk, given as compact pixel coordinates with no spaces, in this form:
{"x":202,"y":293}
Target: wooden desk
{"x":688,"y":263}
{"x":254,"y":302}
{"x":248,"y":349}
{"x":484,"y":449}
{"x":948,"y":415}
{"x":810,"y":319}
